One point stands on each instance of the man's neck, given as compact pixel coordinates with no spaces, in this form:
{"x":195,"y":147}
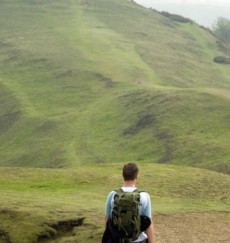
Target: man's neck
{"x":130,"y":183}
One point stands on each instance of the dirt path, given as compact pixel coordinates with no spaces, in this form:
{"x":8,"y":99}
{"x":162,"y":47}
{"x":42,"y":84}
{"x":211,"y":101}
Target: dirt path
{"x":221,"y":92}
{"x":192,"y":228}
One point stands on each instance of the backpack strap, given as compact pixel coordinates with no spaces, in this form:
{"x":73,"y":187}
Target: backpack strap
{"x":119,"y":190}
{"x":136,"y":190}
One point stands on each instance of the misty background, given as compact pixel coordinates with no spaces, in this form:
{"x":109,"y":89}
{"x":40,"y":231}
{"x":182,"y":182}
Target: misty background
{"x":203,"y":12}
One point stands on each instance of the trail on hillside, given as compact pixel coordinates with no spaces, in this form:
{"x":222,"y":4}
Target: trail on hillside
{"x":221,"y":92}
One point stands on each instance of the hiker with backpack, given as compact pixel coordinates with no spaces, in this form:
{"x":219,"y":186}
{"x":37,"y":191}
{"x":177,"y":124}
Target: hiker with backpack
{"x":128,"y":212}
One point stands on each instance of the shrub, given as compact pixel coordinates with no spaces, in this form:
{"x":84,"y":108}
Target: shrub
{"x":222,"y":29}
{"x":177,"y":17}
{"x":222,"y":59}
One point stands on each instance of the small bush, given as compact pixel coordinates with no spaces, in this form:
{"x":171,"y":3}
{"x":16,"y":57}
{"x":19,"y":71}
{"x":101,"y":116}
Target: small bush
{"x":177,"y":17}
{"x":222,"y":59}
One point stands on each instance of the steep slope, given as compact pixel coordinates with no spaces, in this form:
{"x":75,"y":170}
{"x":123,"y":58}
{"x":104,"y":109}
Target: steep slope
{"x":99,"y":81}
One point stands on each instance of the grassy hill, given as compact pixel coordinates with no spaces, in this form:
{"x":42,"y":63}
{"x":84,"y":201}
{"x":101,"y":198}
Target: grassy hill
{"x":39,"y":205}
{"x":103,"y":81}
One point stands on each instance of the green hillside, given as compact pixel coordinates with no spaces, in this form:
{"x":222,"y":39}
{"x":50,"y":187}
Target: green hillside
{"x":37,"y":204}
{"x":87,"y":81}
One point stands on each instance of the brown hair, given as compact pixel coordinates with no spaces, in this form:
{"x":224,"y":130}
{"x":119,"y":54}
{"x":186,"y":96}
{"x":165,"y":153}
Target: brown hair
{"x":130,"y":172}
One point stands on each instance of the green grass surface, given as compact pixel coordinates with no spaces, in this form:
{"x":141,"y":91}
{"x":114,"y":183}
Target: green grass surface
{"x":109,"y":81}
{"x":33,"y":199}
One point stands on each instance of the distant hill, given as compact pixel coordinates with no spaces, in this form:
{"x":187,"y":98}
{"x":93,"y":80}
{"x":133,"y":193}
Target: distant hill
{"x":97,"y":81}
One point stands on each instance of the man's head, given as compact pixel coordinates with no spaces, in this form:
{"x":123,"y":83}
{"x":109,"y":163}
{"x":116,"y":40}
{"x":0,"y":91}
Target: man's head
{"x":130,"y":172}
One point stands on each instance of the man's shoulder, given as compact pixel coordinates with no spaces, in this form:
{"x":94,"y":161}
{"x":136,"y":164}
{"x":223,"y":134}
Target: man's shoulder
{"x":128,"y":189}
{"x":131,"y":189}
{"x":112,"y":192}
{"x":145,"y":194}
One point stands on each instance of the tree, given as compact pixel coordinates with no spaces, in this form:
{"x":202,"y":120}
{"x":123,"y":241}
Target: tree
{"x":222,"y":29}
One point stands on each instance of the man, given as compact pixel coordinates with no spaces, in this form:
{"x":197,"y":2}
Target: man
{"x":130,"y":175}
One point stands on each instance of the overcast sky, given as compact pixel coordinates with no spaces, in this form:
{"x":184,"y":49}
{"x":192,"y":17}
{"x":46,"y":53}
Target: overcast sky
{"x":204,"y":12}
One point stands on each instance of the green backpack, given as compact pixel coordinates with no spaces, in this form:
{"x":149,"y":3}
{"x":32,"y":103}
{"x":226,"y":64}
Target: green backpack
{"x":125,"y":214}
